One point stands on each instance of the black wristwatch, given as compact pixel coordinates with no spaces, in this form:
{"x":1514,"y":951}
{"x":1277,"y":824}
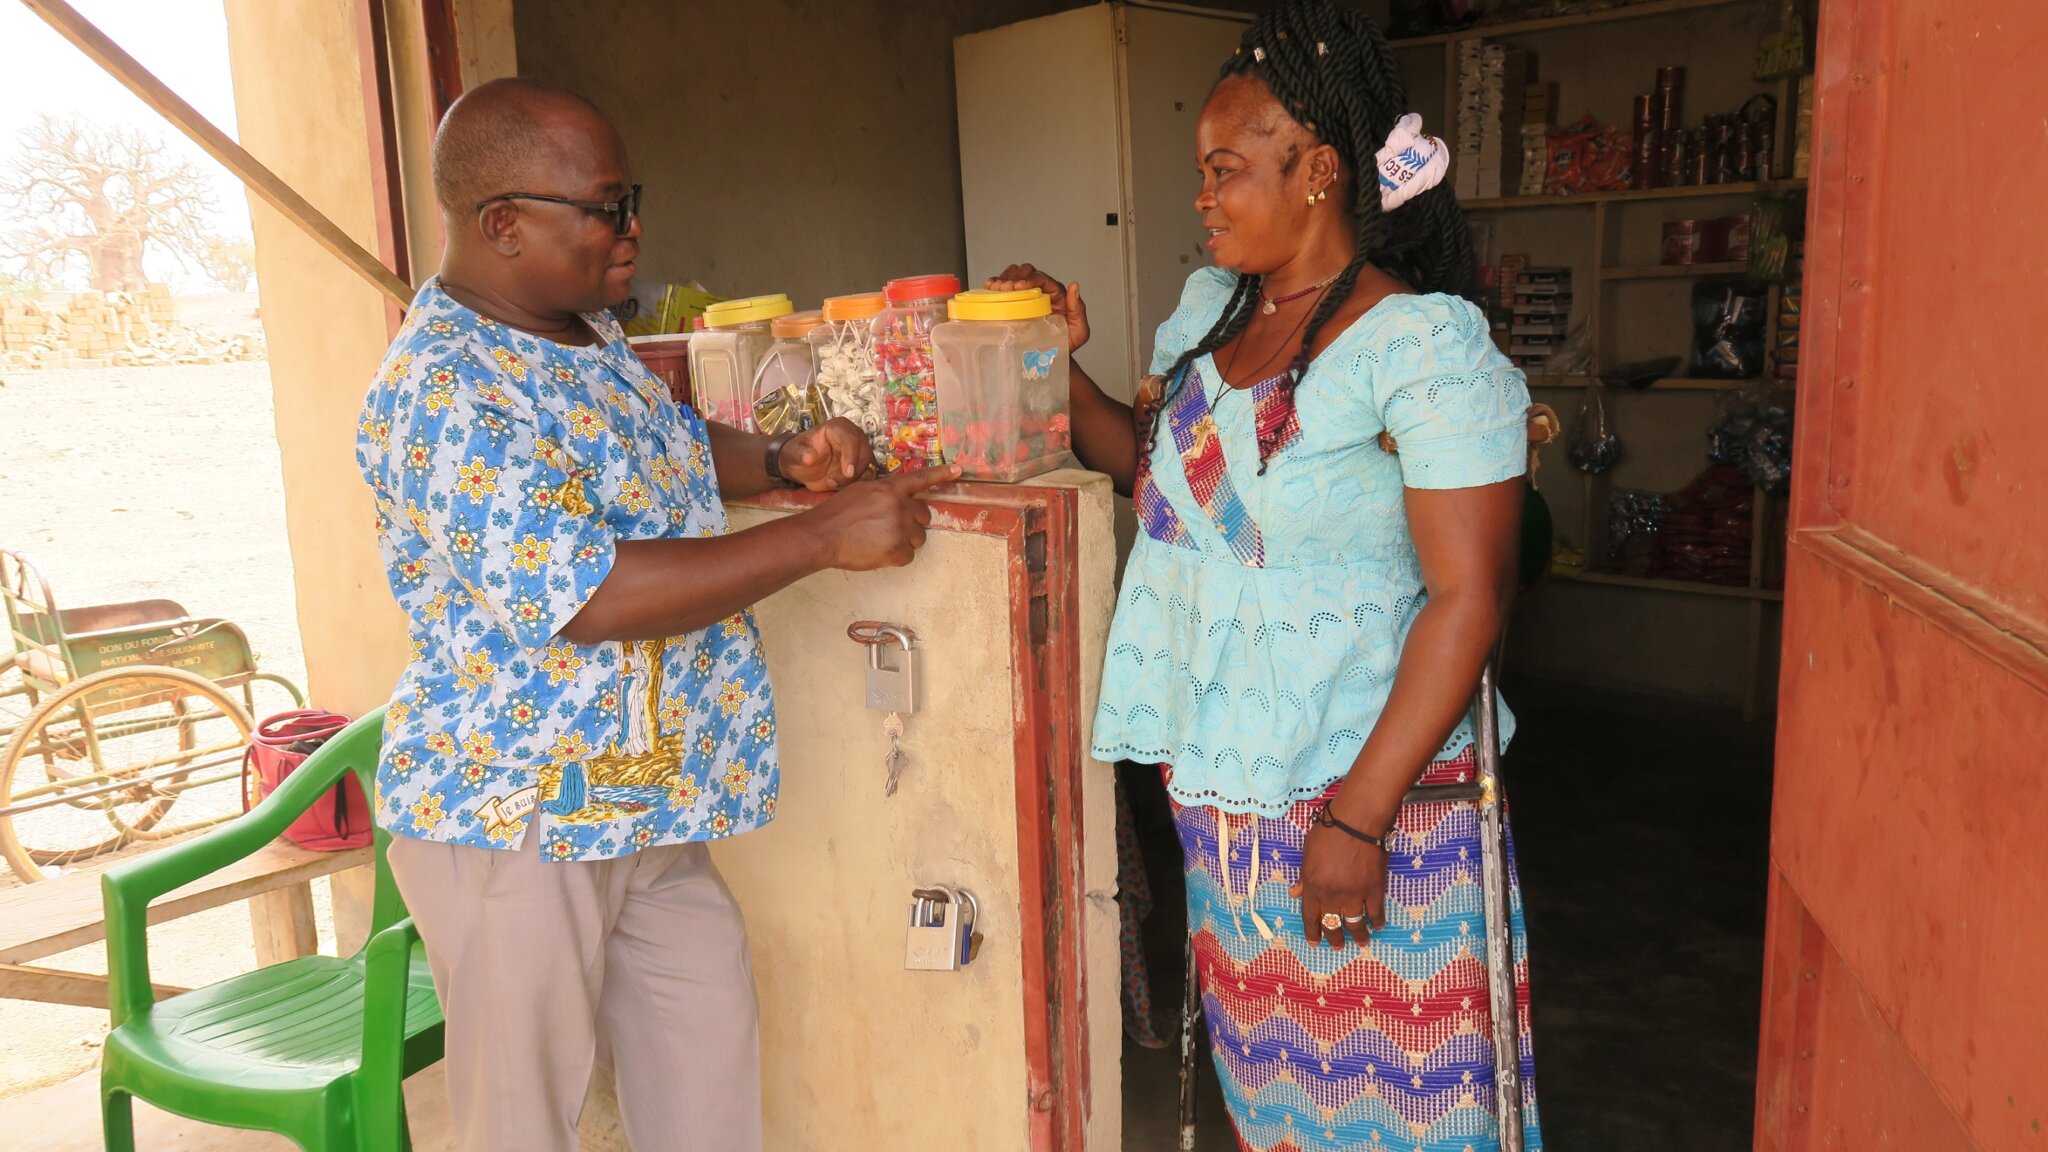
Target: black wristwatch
{"x":773,"y":461}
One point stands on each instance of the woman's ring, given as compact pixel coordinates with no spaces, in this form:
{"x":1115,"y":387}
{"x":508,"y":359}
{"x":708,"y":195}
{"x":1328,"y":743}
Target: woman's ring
{"x":1332,"y":921}
{"x":1358,"y":919}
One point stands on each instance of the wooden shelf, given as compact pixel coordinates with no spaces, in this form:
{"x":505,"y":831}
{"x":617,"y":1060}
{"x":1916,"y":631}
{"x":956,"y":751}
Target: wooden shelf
{"x":1667,"y":384}
{"x":1710,"y":36}
{"x":1558,"y":23}
{"x":1633,"y":195}
{"x":1674,"y":271}
{"x":1700,"y":588}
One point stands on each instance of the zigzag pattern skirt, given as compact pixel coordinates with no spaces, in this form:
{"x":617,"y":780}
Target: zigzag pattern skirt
{"x":1382,"y":1047}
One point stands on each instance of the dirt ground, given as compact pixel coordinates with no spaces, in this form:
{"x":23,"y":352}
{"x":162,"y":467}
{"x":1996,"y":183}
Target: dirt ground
{"x":149,"y":482}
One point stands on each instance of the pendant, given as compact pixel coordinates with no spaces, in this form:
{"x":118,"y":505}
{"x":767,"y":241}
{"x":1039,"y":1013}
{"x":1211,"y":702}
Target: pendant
{"x":1270,"y":308}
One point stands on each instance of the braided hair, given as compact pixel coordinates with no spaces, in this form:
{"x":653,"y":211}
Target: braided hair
{"x":1332,"y":71}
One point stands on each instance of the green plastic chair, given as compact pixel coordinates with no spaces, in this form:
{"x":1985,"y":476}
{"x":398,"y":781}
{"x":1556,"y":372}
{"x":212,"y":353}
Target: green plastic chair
{"x":316,"y":1049}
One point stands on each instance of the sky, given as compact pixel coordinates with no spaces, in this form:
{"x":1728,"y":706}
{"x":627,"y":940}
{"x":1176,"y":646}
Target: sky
{"x":183,"y":42}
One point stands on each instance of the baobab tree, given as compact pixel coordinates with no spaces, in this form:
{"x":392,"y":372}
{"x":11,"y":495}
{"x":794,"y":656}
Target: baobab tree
{"x":100,"y":196}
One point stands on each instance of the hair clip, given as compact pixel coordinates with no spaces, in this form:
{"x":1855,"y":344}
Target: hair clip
{"x":1259,"y":54}
{"x":1322,"y":49}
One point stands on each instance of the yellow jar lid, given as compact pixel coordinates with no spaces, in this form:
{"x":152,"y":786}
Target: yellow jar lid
{"x":982,"y":304}
{"x":753,"y":309}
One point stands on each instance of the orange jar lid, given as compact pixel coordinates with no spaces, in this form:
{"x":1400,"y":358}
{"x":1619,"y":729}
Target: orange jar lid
{"x":796,"y":325}
{"x":858,"y":306}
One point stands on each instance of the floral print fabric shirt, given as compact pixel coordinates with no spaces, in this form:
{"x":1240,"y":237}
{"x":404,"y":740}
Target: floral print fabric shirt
{"x":505,"y":468}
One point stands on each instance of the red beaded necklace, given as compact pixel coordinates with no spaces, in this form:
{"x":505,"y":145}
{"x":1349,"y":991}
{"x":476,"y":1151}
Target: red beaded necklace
{"x":1271,"y":304}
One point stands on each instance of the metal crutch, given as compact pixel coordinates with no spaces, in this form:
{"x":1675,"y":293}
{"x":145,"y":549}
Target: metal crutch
{"x":1487,"y":792}
{"x":1500,"y":956}
{"x":1495,"y":912}
{"x":1190,"y":1020}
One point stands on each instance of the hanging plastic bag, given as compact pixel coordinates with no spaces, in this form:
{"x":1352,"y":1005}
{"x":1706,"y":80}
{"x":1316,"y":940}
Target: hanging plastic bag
{"x":1728,"y":330}
{"x":1752,"y":430}
{"x":1593,"y":447}
{"x":1634,"y":518}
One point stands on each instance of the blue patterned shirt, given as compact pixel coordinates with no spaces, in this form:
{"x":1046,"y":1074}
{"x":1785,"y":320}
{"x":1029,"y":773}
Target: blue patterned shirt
{"x":505,"y":469}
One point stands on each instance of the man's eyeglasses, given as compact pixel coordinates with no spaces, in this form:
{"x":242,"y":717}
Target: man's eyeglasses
{"x":623,"y":211}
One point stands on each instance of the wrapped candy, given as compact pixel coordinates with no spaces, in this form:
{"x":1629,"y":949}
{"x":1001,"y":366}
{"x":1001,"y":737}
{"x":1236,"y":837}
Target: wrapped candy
{"x":848,"y":379}
{"x":1754,"y":434}
{"x":1706,"y":533}
{"x":1634,"y":516}
{"x":789,"y":410}
{"x":912,"y":443}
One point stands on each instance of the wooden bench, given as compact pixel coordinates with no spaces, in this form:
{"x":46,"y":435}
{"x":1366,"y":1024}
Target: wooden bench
{"x":57,"y":915}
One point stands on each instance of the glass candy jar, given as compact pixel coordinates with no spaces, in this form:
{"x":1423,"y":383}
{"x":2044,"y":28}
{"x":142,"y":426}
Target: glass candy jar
{"x":903,"y":354}
{"x":726,"y":356}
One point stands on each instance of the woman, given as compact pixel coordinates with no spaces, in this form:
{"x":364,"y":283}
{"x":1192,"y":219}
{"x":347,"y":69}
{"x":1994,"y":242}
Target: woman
{"x":1328,"y":470}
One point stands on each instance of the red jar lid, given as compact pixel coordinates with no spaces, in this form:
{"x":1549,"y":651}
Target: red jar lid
{"x":920,"y":288}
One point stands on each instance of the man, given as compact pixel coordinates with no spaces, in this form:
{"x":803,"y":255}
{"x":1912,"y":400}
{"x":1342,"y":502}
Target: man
{"x":586,"y":703}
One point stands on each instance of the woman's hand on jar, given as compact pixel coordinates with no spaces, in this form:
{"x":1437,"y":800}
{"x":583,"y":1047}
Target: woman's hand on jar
{"x":1344,"y":876}
{"x":1066,"y":298}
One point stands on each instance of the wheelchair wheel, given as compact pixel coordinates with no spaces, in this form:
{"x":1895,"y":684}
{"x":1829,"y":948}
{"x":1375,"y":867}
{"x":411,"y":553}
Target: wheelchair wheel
{"x":101,"y":762}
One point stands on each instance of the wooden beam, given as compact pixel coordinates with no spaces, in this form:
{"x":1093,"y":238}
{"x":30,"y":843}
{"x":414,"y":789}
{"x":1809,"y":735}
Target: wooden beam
{"x":51,"y":986}
{"x":217,"y":144}
{"x":38,"y":920}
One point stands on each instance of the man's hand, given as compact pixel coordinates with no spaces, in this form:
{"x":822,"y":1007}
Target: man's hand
{"x":828,"y":457}
{"x":879,"y":523}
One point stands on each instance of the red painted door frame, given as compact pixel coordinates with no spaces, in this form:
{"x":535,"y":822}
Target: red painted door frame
{"x":380,"y":121}
{"x":1908,"y":928}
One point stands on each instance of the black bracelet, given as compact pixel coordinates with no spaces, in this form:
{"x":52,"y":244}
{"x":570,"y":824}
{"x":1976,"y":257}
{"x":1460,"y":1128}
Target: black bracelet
{"x":773,"y":462}
{"x":1328,"y":819}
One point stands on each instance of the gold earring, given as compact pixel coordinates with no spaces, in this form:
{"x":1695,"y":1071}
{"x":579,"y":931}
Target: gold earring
{"x":1311,"y":199}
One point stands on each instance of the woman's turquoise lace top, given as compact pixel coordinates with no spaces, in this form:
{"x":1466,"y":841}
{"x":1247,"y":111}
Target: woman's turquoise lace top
{"x":1261,"y":618}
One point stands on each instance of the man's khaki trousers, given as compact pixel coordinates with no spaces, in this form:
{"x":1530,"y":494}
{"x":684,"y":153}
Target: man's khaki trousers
{"x":540,"y":966}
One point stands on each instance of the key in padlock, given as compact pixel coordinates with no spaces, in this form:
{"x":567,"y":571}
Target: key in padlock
{"x":941,"y":929}
{"x":892,"y":689}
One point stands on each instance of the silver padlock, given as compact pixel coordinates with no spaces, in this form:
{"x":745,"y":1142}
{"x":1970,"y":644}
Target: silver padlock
{"x":942,"y":935}
{"x":892,"y":689}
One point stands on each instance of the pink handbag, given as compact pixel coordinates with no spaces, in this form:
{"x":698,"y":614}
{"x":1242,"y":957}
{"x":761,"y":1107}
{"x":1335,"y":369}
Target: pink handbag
{"x":337,"y":821}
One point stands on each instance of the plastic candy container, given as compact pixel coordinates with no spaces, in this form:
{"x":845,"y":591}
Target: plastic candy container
{"x":843,"y":362}
{"x":1001,"y":364}
{"x":903,"y":355}
{"x":726,"y":355}
{"x":784,"y":400}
